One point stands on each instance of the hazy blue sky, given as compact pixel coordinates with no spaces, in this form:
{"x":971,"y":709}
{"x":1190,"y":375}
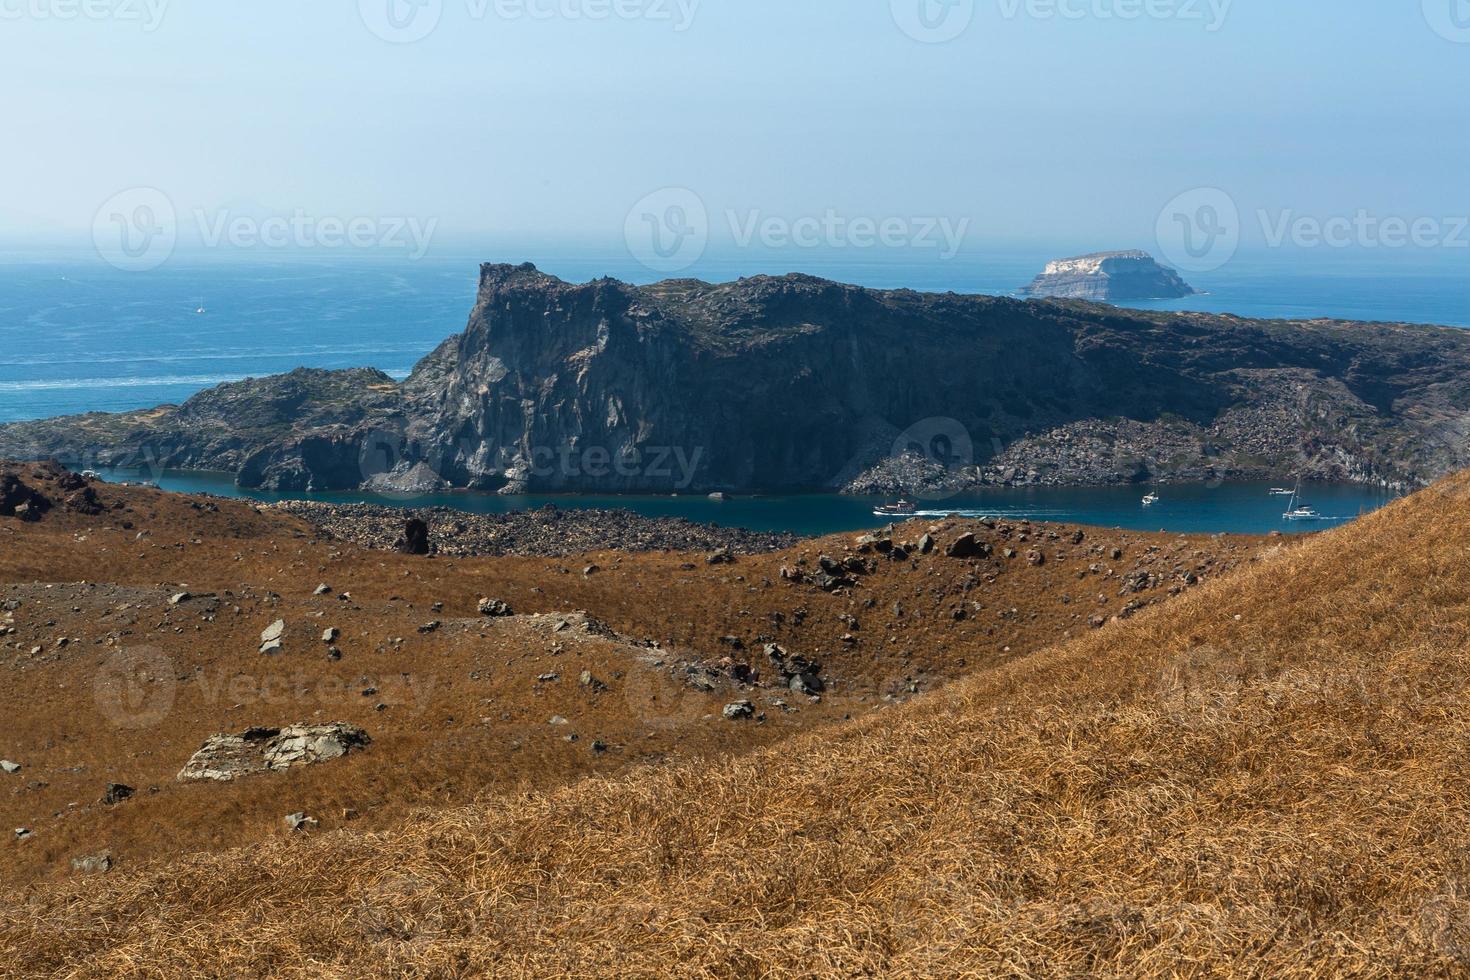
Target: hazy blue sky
{"x":1036,"y":123}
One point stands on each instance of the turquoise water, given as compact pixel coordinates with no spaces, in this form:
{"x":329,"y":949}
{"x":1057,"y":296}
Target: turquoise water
{"x":1235,"y":508}
{"x":77,"y":335}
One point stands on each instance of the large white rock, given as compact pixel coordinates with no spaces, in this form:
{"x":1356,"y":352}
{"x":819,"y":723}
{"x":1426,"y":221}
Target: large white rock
{"x":226,"y":757}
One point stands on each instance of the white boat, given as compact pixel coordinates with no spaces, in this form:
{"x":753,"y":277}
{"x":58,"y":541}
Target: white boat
{"x":1280,"y":492}
{"x":1297,"y":510}
{"x":904,"y":508}
{"x":199,"y":310}
{"x":1151,"y":499}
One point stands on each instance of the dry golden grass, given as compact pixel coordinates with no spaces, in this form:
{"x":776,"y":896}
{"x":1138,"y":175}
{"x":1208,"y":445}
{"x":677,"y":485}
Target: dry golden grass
{"x":1266,"y":777}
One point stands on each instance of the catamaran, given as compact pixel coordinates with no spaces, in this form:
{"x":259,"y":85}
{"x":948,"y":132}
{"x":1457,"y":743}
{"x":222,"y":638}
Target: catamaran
{"x":1297,"y":510}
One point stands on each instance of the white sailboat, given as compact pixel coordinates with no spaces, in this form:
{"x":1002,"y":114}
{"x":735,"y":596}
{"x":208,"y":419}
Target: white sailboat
{"x":1151,"y":499}
{"x":1297,"y":510}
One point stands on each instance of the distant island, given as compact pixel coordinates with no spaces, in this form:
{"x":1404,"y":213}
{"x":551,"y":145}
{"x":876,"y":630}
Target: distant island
{"x":1108,"y":276}
{"x":793,"y":383}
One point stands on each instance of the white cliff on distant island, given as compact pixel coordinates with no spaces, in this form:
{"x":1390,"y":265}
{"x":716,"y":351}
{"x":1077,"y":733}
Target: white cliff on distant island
{"x":1107,"y":276}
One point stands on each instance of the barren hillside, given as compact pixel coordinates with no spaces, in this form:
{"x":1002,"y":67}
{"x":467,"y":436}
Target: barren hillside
{"x":1264,"y":776}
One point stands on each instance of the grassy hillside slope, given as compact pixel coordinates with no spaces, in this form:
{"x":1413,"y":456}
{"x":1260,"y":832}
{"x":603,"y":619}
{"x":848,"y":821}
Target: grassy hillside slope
{"x":1266,"y":776}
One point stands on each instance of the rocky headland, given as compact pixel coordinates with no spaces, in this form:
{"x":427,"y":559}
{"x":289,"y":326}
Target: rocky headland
{"x":792,"y":383}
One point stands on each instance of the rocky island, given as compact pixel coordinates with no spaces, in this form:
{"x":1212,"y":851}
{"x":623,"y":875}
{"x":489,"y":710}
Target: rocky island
{"x":794,"y":383}
{"x":1108,"y":276}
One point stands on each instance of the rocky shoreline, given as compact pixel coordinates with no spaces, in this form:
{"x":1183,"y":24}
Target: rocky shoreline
{"x":547,"y":532}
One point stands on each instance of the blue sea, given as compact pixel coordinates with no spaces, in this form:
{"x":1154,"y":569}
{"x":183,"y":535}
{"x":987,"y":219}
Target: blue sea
{"x":77,"y":335}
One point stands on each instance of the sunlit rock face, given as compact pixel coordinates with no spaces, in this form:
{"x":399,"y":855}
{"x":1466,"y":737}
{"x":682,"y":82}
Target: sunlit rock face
{"x":1105,"y":276}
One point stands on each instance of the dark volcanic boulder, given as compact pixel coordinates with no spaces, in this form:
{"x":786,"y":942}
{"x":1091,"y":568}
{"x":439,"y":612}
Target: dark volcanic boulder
{"x":415,"y":539}
{"x":19,"y":500}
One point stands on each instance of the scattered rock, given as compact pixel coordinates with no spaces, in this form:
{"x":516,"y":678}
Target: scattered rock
{"x":806,"y":684}
{"x":965,"y":546}
{"x":737,"y":710}
{"x":226,"y":757}
{"x":331,"y":634}
{"x":117,"y":793}
{"x":547,"y":532}
{"x":300,"y":821}
{"x":9,"y":767}
{"x":93,"y":864}
{"x":271,"y":636}
{"x":494,"y":607}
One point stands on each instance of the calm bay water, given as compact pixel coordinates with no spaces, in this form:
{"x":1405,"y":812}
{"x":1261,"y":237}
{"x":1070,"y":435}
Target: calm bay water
{"x":1234,"y":508}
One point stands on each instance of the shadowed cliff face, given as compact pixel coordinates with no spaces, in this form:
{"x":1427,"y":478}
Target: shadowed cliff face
{"x":789,"y":383}
{"x":795,"y":383}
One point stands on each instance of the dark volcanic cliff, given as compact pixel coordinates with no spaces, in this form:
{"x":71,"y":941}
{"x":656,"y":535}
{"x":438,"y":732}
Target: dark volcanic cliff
{"x":798,"y":383}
